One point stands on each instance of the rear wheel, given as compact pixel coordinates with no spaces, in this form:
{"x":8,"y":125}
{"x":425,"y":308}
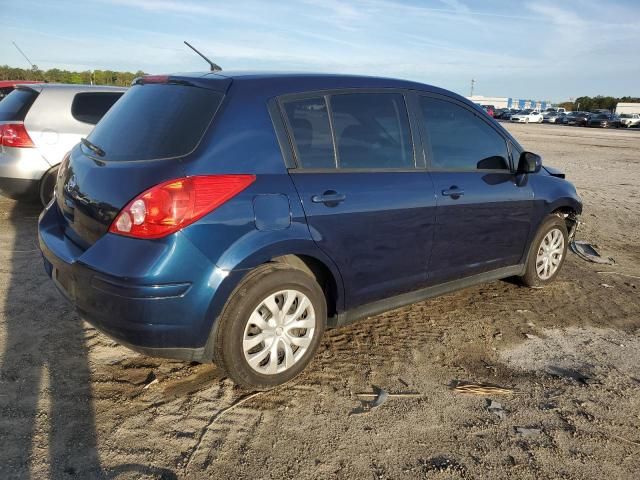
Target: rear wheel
{"x":271,"y":327}
{"x":547,"y":252}
{"x":47,"y":184}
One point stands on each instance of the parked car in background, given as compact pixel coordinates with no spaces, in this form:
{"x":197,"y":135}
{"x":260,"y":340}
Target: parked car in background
{"x":553,"y":117}
{"x":489,"y":109}
{"x":508,"y":113}
{"x":233,"y":217}
{"x":527,"y":116}
{"x":604,"y":120}
{"x":8,"y":86}
{"x":630,"y":119}
{"x":498,"y":112}
{"x":38,"y":125}
{"x":577,"y":119}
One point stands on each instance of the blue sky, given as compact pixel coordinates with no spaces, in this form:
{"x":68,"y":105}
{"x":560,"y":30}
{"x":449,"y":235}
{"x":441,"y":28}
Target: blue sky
{"x":531,"y":49}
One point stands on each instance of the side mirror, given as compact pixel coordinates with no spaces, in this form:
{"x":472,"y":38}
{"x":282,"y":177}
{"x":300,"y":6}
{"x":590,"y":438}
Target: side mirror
{"x":529,"y":163}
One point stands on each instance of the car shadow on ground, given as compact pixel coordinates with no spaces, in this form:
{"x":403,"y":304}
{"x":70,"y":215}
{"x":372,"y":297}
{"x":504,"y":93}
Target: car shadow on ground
{"x":47,"y":413}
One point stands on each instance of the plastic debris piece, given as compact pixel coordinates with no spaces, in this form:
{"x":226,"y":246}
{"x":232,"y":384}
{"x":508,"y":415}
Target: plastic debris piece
{"x":587,"y":252}
{"x":380,"y":396}
{"x":570,"y":374}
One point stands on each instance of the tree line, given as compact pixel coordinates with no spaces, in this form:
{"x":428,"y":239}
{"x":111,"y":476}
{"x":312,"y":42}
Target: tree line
{"x":55,"y":75}
{"x":587,"y":104}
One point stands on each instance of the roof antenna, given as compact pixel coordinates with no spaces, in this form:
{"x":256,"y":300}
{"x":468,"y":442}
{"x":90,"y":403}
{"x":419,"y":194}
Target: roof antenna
{"x":33,"y":67}
{"x":214,"y":66}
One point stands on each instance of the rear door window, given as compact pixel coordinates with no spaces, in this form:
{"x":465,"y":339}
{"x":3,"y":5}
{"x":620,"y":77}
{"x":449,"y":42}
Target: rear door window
{"x":372,"y":131}
{"x":155,"y":121}
{"x":14,"y":107}
{"x":90,"y":107}
{"x":308,"y":121}
{"x":461,"y":140}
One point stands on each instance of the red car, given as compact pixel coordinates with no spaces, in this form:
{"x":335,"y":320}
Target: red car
{"x":7,"y":86}
{"x":489,"y":109}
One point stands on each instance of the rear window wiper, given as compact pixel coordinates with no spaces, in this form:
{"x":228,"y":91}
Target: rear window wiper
{"x":94,"y":148}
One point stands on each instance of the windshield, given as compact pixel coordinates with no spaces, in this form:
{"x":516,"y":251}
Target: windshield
{"x":14,"y":107}
{"x":155,"y":121}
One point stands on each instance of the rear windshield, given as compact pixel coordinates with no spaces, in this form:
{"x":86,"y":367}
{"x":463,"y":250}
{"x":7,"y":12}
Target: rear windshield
{"x":14,"y":107}
{"x":155,"y":121}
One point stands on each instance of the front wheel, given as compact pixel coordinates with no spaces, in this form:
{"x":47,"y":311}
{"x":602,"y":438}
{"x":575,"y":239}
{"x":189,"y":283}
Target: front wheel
{"x":271,"y":327}
{"x":547,"y":252}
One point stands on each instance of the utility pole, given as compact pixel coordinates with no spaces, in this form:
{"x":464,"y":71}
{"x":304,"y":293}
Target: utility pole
{"x":473,"y":82}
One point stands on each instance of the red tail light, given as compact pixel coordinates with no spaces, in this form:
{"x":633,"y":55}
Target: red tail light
{"x":15,"y":135}
{"x":172,"y":205}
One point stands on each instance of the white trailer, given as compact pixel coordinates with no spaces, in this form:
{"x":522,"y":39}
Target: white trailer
{"x":627,"y":108}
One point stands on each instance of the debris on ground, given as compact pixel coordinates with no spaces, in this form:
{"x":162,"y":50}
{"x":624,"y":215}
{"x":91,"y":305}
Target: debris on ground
{"x":606,"y":285}
{"x":528,"y":432}
{"x":588,"y":252}
{"x":570,"y":374}
{"x":379,"y":396}
{"x":496,"y":408}
{"x":628,"y":275}
{"x":480,"y":388}
{"x":152,"y":382}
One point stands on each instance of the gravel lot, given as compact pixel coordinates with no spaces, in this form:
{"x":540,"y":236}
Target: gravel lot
{"x":73,"y":404}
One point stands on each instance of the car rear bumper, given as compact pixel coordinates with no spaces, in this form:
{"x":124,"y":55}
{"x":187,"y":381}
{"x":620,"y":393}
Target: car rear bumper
{"x":151,"y":296}
{"x":20,"y":171}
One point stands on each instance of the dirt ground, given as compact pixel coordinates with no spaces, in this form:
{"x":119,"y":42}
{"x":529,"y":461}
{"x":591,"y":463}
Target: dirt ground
{"x":73,"y":404}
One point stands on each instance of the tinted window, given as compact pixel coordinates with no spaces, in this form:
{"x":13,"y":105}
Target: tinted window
{"x":155,"y":121}
{"x":309,"y":125}
{"x":14,"y":107}
{"x":5,"y":91}
{"x":460,"y":140}
{"x":372,"y":130}
{"x":91,"y":107}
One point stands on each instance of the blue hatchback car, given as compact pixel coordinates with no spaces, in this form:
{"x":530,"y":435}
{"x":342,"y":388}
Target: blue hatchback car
{"x":233,"y":217}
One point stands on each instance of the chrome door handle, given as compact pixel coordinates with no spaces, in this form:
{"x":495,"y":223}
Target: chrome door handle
{"x":329,"y":198}
{"x":453,"y":192}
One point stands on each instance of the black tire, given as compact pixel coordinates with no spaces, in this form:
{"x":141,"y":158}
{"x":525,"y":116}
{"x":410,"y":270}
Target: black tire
{"x":227,"y":336}
{"x":47,"y":184}
{"x":531,"y":277}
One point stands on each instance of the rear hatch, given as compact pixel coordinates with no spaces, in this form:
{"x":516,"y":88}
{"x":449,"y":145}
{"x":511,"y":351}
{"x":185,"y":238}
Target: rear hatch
{"x":138,"y":144}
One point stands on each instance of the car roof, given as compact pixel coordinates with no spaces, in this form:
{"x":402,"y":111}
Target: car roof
{"x":13,"y":83}
{"x":73,"y":87}
{"x":280,"y":83}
